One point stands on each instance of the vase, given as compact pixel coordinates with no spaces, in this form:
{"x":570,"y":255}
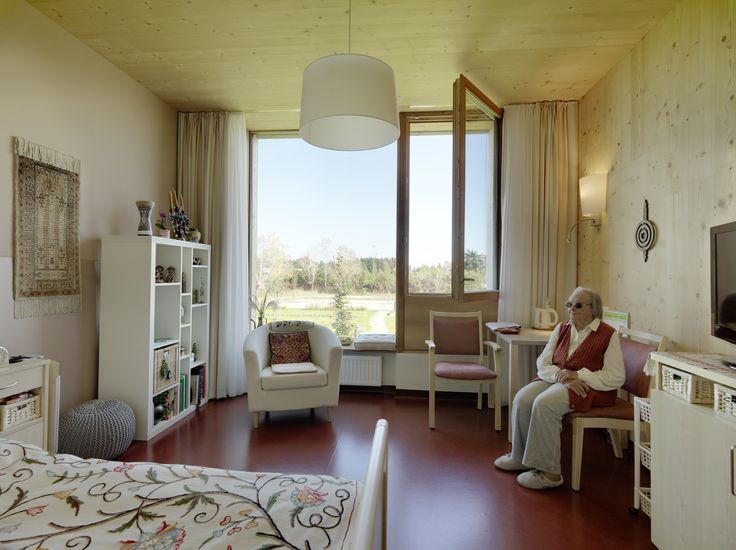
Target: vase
{"x":164,"y":233}
{"x":144,"y":212}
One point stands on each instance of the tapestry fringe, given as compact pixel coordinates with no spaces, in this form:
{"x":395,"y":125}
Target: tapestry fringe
{"x":52,"y":305}
{"x":39,"y":153}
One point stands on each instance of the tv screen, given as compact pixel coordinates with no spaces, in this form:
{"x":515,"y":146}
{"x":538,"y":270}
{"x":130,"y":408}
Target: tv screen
{"x":723,"y":281}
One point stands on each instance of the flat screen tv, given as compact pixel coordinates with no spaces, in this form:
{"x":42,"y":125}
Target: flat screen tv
{"x":723,"y":281}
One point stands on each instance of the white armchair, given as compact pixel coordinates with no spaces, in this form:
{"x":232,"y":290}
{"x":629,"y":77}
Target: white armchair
{"x":269,"y":391}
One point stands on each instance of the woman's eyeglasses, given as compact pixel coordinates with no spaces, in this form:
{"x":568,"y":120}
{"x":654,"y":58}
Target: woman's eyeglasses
{"x":576,"y":305}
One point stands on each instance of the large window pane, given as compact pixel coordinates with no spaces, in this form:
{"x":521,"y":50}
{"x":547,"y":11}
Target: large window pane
{"x":480,"y":197}
{"x":430,"y":208}
{"x":324,"y":235}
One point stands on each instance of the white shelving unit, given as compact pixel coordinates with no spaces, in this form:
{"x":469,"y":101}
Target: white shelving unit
{"x":142,"y":321}
{"x":642,"y":456}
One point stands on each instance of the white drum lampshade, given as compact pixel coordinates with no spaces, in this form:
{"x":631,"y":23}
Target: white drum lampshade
{"x":349,"y":103}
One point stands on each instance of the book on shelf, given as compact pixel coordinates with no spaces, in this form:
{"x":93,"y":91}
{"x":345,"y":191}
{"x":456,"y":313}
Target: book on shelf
{"x":182,"y":392}
{"x":193,"y":388}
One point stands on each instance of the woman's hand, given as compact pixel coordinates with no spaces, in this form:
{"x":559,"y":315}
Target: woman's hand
{"x":577,"y":386}
{"x":563,"y":376}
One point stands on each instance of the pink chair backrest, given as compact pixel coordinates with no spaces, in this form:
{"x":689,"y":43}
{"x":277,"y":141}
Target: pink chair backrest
{"x":635,"y":356}
{"x":456,"y":336}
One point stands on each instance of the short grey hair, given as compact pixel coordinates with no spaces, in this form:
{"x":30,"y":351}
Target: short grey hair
{"x":596,"y":303}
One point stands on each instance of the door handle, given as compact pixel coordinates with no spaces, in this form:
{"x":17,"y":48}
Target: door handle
{"x":8,"y":386}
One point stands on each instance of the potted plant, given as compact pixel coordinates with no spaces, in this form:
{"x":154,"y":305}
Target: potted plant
{"x":261,"y":307}
{"x":163,"y":224}
{"x":194,"y":235}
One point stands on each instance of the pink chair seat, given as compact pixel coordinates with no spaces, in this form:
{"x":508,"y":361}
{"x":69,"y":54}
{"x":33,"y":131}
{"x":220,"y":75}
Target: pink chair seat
{"x":463,"y":370}
{"x":620,"y":410}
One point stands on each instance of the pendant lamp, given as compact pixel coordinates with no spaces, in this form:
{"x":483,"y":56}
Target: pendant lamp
{"x":349,"y":103}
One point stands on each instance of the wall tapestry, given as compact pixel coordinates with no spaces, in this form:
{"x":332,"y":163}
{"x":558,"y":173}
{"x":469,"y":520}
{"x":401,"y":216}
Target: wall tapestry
{"x":46,"y":273}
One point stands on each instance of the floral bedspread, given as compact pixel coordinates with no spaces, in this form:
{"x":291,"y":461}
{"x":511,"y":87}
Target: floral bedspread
{"x":62,"y":501}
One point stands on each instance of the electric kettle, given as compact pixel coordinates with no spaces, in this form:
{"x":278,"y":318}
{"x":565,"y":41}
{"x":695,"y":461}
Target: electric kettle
{"x":545,"y":318}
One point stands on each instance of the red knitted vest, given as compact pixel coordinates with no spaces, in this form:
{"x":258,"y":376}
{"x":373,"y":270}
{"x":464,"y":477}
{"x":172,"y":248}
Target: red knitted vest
{"x":589,"y":355}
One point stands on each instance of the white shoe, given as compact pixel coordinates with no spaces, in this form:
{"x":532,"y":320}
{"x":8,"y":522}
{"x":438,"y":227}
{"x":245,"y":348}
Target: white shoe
{"x":537,"y":480}
{"x":507,"y":463}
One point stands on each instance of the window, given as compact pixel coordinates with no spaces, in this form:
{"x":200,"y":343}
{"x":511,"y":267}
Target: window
{"x":323,"y":226}
{"x":430,"y":201}
{"x":449,"y":212}
{"x":339,"y":239}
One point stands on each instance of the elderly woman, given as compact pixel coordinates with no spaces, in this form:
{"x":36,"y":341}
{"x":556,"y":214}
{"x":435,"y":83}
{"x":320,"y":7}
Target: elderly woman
{"x":581,"y":367}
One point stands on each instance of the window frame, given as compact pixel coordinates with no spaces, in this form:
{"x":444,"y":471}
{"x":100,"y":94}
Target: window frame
{"x":412,"y":310}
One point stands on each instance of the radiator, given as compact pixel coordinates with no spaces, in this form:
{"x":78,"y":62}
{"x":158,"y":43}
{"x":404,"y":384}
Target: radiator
{"x":360,"y":370}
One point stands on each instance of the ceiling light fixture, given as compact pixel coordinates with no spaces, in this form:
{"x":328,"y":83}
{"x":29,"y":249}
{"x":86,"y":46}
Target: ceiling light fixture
{"x":349,"y":101}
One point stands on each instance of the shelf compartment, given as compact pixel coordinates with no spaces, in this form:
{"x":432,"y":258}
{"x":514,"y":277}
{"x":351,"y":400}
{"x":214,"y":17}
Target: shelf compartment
{"x":163,"y":342}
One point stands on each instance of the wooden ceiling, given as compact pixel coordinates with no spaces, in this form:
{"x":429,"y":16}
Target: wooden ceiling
{"x":249,"y":55}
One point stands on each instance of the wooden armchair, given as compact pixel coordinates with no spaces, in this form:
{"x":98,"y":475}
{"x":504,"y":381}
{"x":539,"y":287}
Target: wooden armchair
{"x":635,"y":347}
{"x":461,"y":333}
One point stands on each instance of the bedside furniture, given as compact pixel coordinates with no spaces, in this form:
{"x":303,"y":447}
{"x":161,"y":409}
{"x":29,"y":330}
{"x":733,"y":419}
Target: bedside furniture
{"x":39,"y":377}
{"x":693,"y":498}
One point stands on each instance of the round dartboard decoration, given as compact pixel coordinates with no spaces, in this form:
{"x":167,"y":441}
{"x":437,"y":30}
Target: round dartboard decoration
{"x":646,"y":233}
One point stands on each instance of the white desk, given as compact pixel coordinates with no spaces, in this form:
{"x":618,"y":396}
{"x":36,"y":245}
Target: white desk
{"x":526,"y":337}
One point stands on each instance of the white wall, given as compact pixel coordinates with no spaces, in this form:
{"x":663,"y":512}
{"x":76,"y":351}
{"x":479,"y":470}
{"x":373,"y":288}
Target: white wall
{"x":58,"y":93}
{"x":662,"y":123}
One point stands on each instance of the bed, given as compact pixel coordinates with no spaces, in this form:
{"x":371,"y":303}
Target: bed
{"x":62,"y":501}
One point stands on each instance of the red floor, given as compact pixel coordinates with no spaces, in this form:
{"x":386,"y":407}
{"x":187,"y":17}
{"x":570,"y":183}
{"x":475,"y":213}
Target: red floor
{"x":444,"y":492}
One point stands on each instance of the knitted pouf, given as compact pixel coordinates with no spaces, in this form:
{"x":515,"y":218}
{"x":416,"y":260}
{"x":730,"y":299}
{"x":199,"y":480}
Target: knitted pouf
{"x":97,"y":429}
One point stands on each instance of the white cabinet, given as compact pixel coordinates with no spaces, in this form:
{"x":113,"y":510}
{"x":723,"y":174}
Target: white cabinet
{"x":34,"y":419}
{"x":149,"y":329}
{"x":693,"y":504}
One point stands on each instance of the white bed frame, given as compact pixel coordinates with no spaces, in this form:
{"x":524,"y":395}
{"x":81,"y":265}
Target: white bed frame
{"x":374,"y":492}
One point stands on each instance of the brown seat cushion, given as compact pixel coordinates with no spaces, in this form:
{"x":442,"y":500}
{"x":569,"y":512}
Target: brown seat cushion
{"x":621,"y":409}
{"x":463,"y":370}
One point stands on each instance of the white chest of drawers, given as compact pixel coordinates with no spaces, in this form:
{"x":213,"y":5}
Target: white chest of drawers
{"x":38,"y":376}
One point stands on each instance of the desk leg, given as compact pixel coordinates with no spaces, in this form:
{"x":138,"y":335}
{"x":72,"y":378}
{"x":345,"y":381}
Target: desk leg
{"x":513,"y":382}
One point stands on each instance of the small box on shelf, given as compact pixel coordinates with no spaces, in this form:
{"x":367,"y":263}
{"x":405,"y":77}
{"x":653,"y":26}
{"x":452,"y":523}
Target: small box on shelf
{"x":165,"y":367}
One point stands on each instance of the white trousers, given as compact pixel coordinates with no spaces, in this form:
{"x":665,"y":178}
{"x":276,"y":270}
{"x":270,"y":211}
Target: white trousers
{"x":536,"y":424}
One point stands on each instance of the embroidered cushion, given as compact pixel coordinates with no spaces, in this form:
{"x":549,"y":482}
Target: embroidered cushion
{"x":291,"y":347}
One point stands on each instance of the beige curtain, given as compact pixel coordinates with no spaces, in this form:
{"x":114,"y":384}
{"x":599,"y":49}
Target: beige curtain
{"x":212,"y":176}
{"x":539,"y":193}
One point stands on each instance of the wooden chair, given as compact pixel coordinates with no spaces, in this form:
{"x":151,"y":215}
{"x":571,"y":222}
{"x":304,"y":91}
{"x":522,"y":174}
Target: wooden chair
{"x":635,"y":347}
{"x":454,"y":333}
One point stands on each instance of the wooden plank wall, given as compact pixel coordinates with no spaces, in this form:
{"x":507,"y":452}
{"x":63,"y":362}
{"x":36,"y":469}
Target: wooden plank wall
{"x":662,"y":123}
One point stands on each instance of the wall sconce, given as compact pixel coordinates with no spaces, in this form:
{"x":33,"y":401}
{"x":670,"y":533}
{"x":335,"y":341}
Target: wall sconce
{"x":592,"y":200}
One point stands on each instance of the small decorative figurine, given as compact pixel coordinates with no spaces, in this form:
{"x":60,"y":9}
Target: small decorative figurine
{"x":170,"y":274}
{"x":194,"y":351}
{"x":159,"y":276}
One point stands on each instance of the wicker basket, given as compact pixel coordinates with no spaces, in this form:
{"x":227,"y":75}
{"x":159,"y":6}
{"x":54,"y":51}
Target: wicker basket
{"x":645,"y":455}
{"x":725,"y":402}
{"x":687,"y":386}
{"x":20,"y":412}
{"x":645,"y":500}
{"x":645,"y":409}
